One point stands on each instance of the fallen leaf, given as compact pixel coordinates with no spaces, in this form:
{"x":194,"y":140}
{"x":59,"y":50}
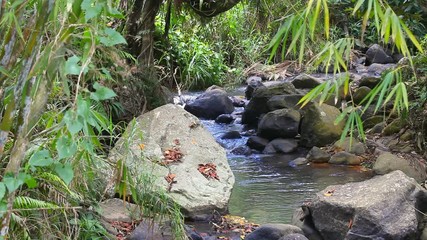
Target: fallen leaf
{"x":329,"y":192}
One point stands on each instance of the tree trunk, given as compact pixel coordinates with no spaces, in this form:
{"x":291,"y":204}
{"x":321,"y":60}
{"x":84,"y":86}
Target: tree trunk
{"x":211,"y":8}
{"x":140,"y":31}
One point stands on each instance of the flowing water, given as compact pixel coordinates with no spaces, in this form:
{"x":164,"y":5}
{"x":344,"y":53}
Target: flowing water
{"x":267,"y":188}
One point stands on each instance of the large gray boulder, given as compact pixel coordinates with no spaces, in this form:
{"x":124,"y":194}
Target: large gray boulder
{"x":211,"y":104}
{"x":144,"y":148}
{"x":258,"y":103}
{"x":306,"y":81}
{"x":282,"y":123}
{"x":253,"y":83}
{"x":317,"y":125}
{"x":388,"y":162}
{"x":377,"y":54}
{"x":273,"y":232}
{"x":384,"y":207}
{"x":281,"y":146}
{"x":284,"y":101}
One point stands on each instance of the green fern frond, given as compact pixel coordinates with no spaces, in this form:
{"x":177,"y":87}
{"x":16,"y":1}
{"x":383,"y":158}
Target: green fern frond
{"x":24,"y":202}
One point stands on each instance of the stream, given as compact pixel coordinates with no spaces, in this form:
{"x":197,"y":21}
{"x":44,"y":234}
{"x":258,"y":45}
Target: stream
{"x":267,"y":188}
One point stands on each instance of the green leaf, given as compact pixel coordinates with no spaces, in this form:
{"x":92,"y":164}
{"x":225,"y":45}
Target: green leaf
{"x":12,"y":183}
{"x":91,"y":9}
{"x":65,"y":147}
{"x":2,"y":190}
{"x":41,"y":159}
{"x":111,"y":37}
{"x":27,"y":179}
{"x":73,"y":123}
{"x":72,"y":67}
{"x":101,"y":93}
{"x":65,"y":172}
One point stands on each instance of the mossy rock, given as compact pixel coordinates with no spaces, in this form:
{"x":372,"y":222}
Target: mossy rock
{"x":318,"y":125}
{"x":394,"y":127}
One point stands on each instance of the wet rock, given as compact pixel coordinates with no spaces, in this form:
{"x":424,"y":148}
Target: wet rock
{"x":231,"y":135}
{"x":317,"y":155}
{"x":253,"y":83}
{"x":378,"y":128}
{"x":281,"y":146}
{"x":214,"y":87}
{"x":360,"y":94}
{"x":380,"y":208}
{"x":258,"y":103}
{"x":161,"y":128}
{"x":298,"y":161}
{"x":387,"y":162}
{"x":302,"y":218}
{"x":116,"y":209}
{"x":148,"y":229}
{"x":224,"y":118}
{"x":257,"y":143}
{"x":407,"y":135}
{"x":306,"y":81}
{"x":273,"y":232}
{"x":394,"y":127}
{"x":378,"y":69}
{"x":282,"y":123}
{"x":317,"y":125}
{"x":377,"y":54}
{"x":369,"y":81}
{"x":237,"y":101}
{"x":294,"y":236}
{"x":350,"y":145}
{"x":372,"y":121}
{"x":345,"y":158}
{"x":241,"y":150}
{"x":210,"y":104}
{"x":284,"y":101}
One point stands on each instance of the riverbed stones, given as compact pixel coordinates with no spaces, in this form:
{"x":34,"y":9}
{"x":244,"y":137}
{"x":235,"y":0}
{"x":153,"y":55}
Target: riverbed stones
{"x":317,"y":155}
{"x":298,"y":162}
{"x":369,"y":81}
{"x":231,"y":135}
{"x":306,"y":81}
{"x":258,"y":103}
{"x":360,"y":94}
{"x":351,"y":145}
{"x":388,"y":162}
{"x":377,"y":54}
{"x":273,"y":232}
{"x":171,"y":128}
{"x":318,"y":127}
{"x":384,"y":207}
{"x":345,"y":158}
{"x":253,"y":83}
{"x":284,"y":101}
{"x":257,"y":143}
{"x":225,"y":118}
{"x":394,"y":127}
{"x":294,"y":236}
{"x":282,"y":123}
{"x":370,"y":122}
{"x":281,"y":146}
{"x":210,"y":104}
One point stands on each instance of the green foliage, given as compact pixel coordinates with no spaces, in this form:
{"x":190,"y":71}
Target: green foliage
{"x":199,"y":66}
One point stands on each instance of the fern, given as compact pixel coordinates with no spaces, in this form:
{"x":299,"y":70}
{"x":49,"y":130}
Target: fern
{"x":24,"y":202}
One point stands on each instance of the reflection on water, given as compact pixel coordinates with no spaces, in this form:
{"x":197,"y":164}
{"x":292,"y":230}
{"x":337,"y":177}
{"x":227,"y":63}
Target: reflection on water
{"x":267,"y":189}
